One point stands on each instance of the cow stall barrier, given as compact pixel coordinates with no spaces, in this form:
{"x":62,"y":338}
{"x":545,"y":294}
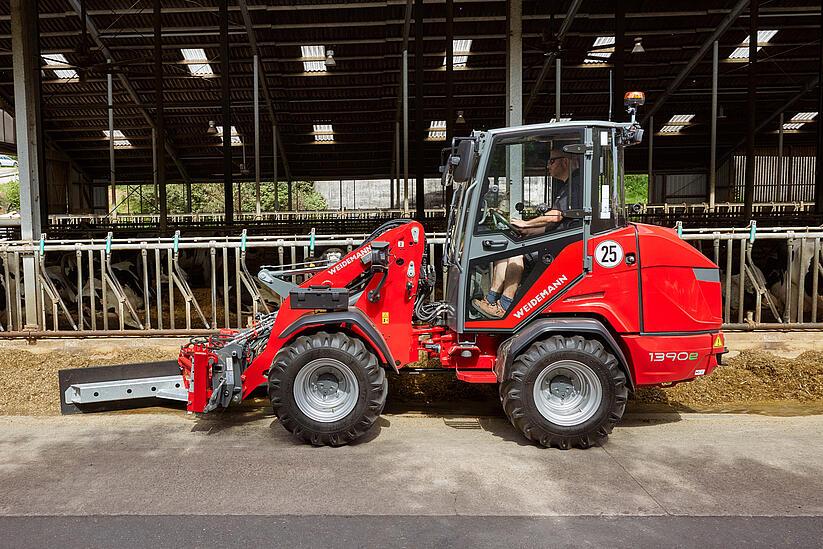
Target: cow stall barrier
{"x":157,"y":286}
{"x":195,"y":285}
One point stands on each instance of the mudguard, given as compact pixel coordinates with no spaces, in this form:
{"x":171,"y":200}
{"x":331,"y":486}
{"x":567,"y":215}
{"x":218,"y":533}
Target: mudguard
{"x":353,"y":317}
{"x":550,"y":326}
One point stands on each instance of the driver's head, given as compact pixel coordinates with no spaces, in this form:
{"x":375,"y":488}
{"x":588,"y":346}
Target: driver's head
{"x":561,"y":163}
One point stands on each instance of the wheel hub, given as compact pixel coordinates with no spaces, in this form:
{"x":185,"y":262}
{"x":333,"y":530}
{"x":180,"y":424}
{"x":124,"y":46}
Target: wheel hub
{"x":326,"y":385}
{"x":562,"y":387}
{"x":326,"y":390}
{"x":567,"y":393}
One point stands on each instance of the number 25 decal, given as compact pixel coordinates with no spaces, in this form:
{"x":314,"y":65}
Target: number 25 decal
{"x":608,"y":254}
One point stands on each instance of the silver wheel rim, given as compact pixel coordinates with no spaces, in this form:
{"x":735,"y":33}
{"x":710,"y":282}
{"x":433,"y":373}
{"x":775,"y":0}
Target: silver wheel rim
{"x":567,"y":393}
{"x":326,"y":390}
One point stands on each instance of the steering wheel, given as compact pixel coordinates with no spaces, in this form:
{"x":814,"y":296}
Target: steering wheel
{"x":500,"y":222}
{"x":486,"y":210}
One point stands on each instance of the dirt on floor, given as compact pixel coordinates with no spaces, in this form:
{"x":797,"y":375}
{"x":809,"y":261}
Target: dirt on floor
{"x":29,"y":382}
{"x":752,"y":378}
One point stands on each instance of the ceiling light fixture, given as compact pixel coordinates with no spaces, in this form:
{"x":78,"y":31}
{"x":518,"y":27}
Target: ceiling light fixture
{"x":212,"y":128}
{"x":460,"y":119}
{"x":330,"y":62}
{"x":638,"y":45}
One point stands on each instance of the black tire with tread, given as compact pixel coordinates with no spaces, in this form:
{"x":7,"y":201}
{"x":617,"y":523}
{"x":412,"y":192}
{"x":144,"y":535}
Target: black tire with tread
{"x":371,"y":379}
{"x":516,"y":393}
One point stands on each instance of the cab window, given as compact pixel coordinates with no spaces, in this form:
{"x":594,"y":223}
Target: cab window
{"x":532,"y":185}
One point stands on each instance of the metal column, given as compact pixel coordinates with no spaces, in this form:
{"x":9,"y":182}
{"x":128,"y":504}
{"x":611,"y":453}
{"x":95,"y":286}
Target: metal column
{"x":274,"y":166}
{"x":29,"y":136}
{"x":228,"y":198}
{"x":419,"y":113}
{"x":818,"y":181}
{"x":405,"y":84}
{"x":160,"y":141}
{"x":256,"y":137}
{"x":154,"y":164}
{"x":396,"y":202}
{"x":449,"y":88}
{"x":619,"y":58}
{"x":557,"y":82}
{"x":751,"y":106}
{"x":112,"y":178}
{"x":779,"y":197}
{"x":514,"y":99}
{"x":395,"y":183}
{"x":713,"y":144}
{"x":651,"y":194}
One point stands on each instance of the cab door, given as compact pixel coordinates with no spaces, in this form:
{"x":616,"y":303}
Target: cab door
{"x":514,"y":181}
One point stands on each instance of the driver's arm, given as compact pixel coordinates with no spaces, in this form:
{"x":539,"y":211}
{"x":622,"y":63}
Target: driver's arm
{"x":552,"y":216}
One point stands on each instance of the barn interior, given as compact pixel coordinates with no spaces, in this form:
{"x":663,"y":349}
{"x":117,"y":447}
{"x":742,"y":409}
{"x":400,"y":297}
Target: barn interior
{"x":119,"y":103}
{"x":125,"y":202}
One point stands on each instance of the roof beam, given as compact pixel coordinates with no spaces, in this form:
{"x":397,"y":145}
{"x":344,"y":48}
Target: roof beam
{"x":547,"y":64}
{"x":810,"y":85}
{"x":124,"y":81}
{"x":244,"y":10}
{"x":695,"y":59}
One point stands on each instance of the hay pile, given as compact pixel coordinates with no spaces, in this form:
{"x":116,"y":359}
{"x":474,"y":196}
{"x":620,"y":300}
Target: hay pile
{"x":751,"y":377}
{"x":29,"y":378}
{"x":29,"y":382}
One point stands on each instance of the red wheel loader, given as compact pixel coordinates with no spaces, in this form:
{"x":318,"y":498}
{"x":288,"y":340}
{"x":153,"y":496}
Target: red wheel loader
{"x":550,"y":293}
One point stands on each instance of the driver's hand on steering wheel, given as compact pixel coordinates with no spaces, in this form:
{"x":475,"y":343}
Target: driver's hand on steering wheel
{"x":551,"y":216}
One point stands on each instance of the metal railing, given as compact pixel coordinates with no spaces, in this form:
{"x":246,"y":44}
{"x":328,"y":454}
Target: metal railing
{"x":191,"y":285}
{"x":158,"y":286}
{"x":59,"y":220}
{"x":770,"y":275}
{"x":724,"y":207}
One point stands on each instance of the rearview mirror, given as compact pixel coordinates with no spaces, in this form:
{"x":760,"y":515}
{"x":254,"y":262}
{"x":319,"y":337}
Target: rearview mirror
{"x":465,"y":163}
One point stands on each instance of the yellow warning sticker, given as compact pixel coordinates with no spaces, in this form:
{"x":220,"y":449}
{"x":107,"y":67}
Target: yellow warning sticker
{"x":385,"y":318}
{"x":718,"y":342}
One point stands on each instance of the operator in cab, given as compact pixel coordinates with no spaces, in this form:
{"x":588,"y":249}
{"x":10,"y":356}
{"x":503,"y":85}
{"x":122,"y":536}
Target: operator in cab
{"x":507,"y":274}
{"x":564,"y":168}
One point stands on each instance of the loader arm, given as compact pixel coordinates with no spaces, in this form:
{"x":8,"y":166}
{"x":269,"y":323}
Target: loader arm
{"x":370,"y":294}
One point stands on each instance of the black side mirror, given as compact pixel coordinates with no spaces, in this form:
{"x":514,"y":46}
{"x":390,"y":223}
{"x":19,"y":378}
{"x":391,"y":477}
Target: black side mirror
{"x":465,"y":161}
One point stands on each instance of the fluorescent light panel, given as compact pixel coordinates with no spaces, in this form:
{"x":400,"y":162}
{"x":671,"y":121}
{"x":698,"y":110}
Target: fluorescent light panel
{"x":671,"y":129}
{"x":59,"y":59}
{"x":804,"y":117}
{"x":562,"y":119}
{"x":314,"y":58}
{"x":323,"y":133}
{"x":681,"y":119}
{"x":120,"y":141}
{"x":763,"y":37}
{"x":461,"y":49}
{"x":798,"y":120}
{"x":197,"y":54}
{"x":235,"y":136}
{"x":437,"y":130}
{"x":599,"y":52}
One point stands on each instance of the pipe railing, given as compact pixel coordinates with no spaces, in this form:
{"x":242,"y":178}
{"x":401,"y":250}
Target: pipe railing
{"x":191,"y":285}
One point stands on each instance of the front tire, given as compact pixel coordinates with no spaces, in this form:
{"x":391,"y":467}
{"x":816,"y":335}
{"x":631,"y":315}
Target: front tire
{"x":327,"y":388}
{"x":565,"y":392}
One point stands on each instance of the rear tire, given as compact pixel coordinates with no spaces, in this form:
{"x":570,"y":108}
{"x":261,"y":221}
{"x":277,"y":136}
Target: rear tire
{"x":565,"y":392}
{"x":327,"y":388}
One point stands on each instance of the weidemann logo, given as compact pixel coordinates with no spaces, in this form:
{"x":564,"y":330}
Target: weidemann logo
{"x":539,"y":298}
{"x":349,"y":260}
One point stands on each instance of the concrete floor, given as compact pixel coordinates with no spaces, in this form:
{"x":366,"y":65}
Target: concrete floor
{"x":654,"y":477}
